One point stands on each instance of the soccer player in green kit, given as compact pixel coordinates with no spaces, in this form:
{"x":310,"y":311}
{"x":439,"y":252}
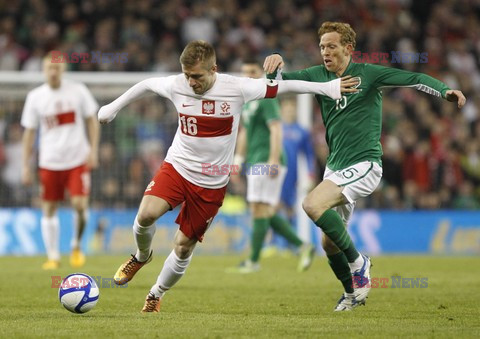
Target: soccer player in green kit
{"x":353,"y":127}
{"x":260,"y":143}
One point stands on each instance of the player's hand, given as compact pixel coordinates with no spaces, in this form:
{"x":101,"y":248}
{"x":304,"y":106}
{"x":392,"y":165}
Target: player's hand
{"x":348,"y":84}
{"x":236,"y":169}
{"x":106,"y":114}
{"x":238,"y":162}
{"x":273,"y":169}
{"x":453,"y":95}
{"x":27,"y":176}
{"x":272,"y":62}
{"x":235,"y":178}
{"x":92,"y":160}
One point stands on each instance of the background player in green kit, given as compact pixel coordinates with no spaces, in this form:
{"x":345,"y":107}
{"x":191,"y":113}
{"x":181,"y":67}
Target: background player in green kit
{"x":260,"y":144}
{"x":353,"y":127}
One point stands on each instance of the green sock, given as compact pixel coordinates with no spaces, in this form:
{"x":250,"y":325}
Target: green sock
{"x":339,"y":264}
{"x":282,"y":227}
{"x":332,"y":225}
{"x":260,"y":228}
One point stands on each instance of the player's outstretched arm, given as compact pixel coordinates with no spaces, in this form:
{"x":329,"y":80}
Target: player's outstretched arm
{"x":108,"y":112}
{"x":381,"y":76}
{"x":332,"y":89}
{"x":456,"y":96}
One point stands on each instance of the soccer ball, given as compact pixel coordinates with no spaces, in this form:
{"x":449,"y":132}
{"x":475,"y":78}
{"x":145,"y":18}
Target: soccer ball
{"x":78,"y":293}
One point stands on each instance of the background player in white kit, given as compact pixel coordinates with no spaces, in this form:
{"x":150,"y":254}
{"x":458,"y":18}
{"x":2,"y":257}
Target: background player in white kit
{"x":197,"y":165}
{"x":61,"y":110}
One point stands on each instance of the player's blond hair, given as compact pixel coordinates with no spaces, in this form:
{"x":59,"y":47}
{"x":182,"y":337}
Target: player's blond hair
{"x":198,"y":51}
{"x":347,"y":34}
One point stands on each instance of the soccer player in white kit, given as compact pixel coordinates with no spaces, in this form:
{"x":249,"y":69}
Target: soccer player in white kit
{"x":61,"y":110}
{"x":198,"y":163}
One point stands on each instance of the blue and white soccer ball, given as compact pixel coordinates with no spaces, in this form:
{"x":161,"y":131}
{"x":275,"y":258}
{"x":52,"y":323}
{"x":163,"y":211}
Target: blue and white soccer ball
{"x":78,"y":293}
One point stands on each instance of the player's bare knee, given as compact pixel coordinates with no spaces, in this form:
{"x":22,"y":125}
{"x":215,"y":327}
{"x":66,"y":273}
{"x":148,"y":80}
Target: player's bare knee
{"x":183,"y":251}
{"x":262,"y":210}
{"x":80,"y":208}
{"x":313,"y":209}
{"x":49,"y":209}
{"x":79,"y":203}
{"x":146,"y":218}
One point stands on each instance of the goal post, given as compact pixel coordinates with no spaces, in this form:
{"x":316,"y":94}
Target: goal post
{"x":305,"y":118}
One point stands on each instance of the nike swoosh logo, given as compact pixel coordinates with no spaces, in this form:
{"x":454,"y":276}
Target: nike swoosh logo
{"x":183,"y":105}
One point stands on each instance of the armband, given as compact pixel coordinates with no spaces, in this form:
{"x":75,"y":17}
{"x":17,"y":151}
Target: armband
{"x":272,"y":88}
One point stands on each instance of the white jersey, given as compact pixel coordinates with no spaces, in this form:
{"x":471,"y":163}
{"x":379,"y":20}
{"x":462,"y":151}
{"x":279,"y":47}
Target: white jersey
{"x":59,"y":115}
{"x":202,"y":150}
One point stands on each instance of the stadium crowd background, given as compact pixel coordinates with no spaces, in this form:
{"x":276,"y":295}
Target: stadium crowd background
{"x":432,"y":151}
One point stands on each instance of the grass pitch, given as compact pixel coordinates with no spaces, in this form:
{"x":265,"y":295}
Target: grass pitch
{"x":276,"y":302}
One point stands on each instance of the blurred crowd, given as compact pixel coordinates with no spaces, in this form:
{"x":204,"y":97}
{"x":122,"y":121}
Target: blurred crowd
{"x":432,"y":150}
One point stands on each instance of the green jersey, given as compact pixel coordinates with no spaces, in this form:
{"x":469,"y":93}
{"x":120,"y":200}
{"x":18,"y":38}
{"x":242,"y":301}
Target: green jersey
{"x":354,"y":122}
{"x":256,"y":116}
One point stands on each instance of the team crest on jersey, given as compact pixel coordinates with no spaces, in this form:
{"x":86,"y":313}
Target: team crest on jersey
{"x":208,"y":107}
{"x":358,"y":85}
{"x":225,"y":108}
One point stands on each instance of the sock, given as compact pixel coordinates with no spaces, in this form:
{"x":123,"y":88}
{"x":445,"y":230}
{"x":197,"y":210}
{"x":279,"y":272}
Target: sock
{"x":260,"y":228}
{"x":143,"y":238}
{"x":79,"y":222}
{"x":339,"y":264}
{"x":357,"y":264}
{"x":332,"y":225}
{"x":50,"y":234}
{"x":282,"y":227}
{"x":173,"y":269}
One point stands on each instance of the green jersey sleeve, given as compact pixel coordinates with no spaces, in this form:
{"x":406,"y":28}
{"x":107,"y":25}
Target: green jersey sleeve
{"x":297,"y":75}
{"x":307,"y":74}
{"x":381,"y":76}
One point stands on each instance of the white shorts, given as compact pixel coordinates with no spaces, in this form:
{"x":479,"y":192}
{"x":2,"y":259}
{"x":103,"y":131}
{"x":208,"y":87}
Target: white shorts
{"x":358,"y":181}
{"x":264,"y":188}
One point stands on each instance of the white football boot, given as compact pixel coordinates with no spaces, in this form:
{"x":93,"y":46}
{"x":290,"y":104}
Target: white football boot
{"x":347,"y":302}
{"x":362,"y":282}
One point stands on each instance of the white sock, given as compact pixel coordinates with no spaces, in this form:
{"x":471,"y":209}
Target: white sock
{"x":143,"y":238}
{"x":173,"y":269}
{"x":75,"y":243}
{"x":50,"y":234}
{"x":357,"y":264}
